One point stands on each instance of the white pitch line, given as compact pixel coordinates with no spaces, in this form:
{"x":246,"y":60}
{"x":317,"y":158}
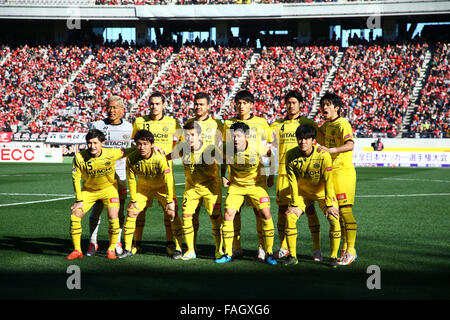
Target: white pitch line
{"x":35,"y":194}
{"x":423,"y":180}
{"x":402,"y":195}
{"x":31,"y":202}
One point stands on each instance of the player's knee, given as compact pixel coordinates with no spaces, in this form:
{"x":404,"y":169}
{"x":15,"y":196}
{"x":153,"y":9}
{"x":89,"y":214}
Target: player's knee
{"x":187,"y":216}
{"x":133,"y":214}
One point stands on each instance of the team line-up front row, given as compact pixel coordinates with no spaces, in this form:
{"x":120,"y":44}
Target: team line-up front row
{"x":314,"y":164}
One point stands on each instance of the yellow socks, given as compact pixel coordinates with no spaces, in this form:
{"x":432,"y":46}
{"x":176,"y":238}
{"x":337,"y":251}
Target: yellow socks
{"x":281,"y":225}
{"x":196,"y":225}
{"x":259,"y":231}
{"x":350,"y":228}
{"x":168,"y":227}
{"x":216,"y":224}
{"x":228,"y":236}
{"x":188,"y":232}
{"x":268,"y":234}
{"x":177,"y":232}
{"x":334,"y":235}
{"x":237,"y":231}
{"x":314,"y":227}
{"x":129,"y":228}
{"x":75,"y":232}
{"x":140,"y":223}
{"x":113,"y":231}
{"x":291,"y":234}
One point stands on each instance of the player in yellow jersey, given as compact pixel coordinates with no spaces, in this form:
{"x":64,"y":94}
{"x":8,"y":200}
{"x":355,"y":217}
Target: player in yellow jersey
{"x":260,"y":134}
{"x":166,"y":131}
{"x":149,"y":177}
{"x":284,"y":139}
{"x":211,"y":133}
{"x":201,"y":169}
{"x":96,"y":166}
{"x":337,"y":139}
{"x":309,"y":174}
{"x":245,"y":180}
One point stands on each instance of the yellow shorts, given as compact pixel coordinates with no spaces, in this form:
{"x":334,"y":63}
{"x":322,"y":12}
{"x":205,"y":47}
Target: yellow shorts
{"x":210,"y":193}
{"x":109,"y":196}
{"x":283,"y":190}
{"x":344,"y":181}
{"x":321,"y":202}
{"x":257,"y":195}
{"x":145,"y":197}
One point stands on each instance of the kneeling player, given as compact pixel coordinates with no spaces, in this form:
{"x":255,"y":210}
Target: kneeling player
{"x":245,"y":180}
{"x":200,"y":162}
{"x":154,"y":181}
{"x":96,"y":166}
{"x":310,"y":179}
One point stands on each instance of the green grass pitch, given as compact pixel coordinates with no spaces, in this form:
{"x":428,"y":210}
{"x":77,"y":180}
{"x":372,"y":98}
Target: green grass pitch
{"x":403,"y":228}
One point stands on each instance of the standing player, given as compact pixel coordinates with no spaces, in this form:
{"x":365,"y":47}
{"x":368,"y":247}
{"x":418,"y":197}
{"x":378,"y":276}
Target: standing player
{"x":309,"y":174}
{"x":200,"y":162}
{"x":337,"y":138}
{"x":166,"y":131}
{"x":211,"y":134}
{"x":259,"y":134}
{"x":245,"y":180}
{"x":149,"y":177}
{"x":284,"y":139}
{"x":96,"y":166}
{"x":118,"y":135}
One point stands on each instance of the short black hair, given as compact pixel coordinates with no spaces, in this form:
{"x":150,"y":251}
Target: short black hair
{"x":293,"y":94}
{"x":189,"y":125}
{"x":240,"y":126}
{"x":244,"y":95}
{"x":144,"y":135}
{"x":95,"y":133}
{"x":334,"y":99}
{"x":157,"y":94}
{"x":201,"y":95}
{"x":305,"y":131}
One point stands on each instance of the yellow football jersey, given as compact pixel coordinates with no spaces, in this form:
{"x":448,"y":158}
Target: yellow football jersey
{"x":166,"y":131}
{"x":200,"y":166}
{"x":310,"y":177}
{"x":144,"y":174}
{"x":97,"y":172}
{"x":245,"y":167}
{"x":259,"y":130}
{"x":284,"y":135}
{"x":336,"y":133}
{"x":212,"y":130}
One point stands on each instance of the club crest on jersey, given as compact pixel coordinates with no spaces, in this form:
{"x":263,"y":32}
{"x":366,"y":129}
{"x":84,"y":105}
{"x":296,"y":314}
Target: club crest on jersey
{"x":316,"y":165}
{"x":107,"y":163}
{"x":165,"y":129}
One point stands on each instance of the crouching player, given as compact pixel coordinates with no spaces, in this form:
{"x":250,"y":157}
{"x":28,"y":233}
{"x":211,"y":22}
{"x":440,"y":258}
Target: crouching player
{"x":96,"y":166}
{"x":310,"y":179}
{"x":245,"y":180}
{"x":154,"y":180}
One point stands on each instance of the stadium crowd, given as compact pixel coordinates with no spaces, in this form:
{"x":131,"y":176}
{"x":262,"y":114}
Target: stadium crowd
{"x":123,"y":71}
{"x":375,"y":82}
{"x":280,"y":69}
{"x":30,"y":77}
{"x":212,"y":70}
{"x":432,"y":117}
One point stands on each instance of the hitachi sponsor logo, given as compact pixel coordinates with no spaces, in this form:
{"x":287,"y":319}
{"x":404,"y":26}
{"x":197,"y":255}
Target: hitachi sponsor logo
{"x":161,"y":135}
{"x":110,"y":143}
{"x":288,"y":135}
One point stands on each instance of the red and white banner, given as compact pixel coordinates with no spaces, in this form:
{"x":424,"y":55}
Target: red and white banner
{"x":5,"y":137}
{"x":31,"y":155}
